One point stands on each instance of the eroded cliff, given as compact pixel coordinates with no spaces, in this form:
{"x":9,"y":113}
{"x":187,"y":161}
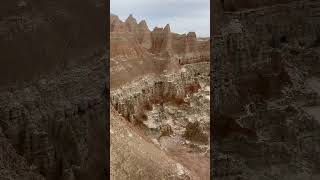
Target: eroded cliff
{"x":161,"y":99}
{"x":136,"y":50}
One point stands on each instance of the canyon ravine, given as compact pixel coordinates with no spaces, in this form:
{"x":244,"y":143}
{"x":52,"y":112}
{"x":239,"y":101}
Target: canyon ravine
{"x":160,"y":95}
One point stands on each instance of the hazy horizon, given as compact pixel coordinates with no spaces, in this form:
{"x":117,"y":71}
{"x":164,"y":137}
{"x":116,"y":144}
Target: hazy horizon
{"x":183,"y":16}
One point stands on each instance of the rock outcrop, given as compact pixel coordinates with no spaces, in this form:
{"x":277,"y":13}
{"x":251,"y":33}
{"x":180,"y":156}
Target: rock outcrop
{"x":135,"y":50}
{"x":265,"y":73}
{"x":125,"y":38}
{"x":154,"y":96}
{"x":161,"y":39}
{"x":158,"y":41}
{"x":160,"y":108}
{"x":144,"y":35}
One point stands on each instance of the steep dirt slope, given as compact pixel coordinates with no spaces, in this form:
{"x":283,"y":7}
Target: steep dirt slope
{"x":139,"y":158}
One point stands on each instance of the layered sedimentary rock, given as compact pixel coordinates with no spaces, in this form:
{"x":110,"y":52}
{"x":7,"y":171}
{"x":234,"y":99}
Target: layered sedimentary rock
{"x":124,"y":39}
{"x":162,"y":109}
{"x":266,"y":96}
{"x":144,"y":35}
{"x":160,"y":105}
{"x":159,"y":40}
{"x":135,"y":50}
{"x":52,"y":90}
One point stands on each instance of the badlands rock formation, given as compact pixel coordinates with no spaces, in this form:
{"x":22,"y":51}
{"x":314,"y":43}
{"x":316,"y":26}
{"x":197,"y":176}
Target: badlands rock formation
{"x":159,"y":40}
{"x":266,"y":65}
{"x":53,"y":90}
{"x":159,"y":103}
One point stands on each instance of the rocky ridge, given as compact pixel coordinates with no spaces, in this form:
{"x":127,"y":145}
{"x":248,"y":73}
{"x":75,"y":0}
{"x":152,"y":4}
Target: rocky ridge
{"x":162,"y":102}
{"x":159,"y":40}
{"x":136,"y":50}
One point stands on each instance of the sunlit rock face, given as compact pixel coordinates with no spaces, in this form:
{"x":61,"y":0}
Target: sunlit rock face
{"x":161,"y":39}
{"x":266,"y":74}
{"x":123,"y":38}
{"x":144,"y":35}
{"x":158,"y":41}
{"x":161,"y":99}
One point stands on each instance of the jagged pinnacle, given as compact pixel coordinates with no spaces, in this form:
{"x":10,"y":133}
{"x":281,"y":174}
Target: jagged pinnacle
{"x":143,"y":25}
{"x":167,"y":28}
{"x":131,"y":18}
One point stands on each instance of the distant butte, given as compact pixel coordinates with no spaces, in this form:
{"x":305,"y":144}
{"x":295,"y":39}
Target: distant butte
{"x":159,"y":40}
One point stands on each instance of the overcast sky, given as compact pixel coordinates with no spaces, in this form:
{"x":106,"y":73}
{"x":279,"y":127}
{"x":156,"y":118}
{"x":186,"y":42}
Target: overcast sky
{"x":182,"y":15}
